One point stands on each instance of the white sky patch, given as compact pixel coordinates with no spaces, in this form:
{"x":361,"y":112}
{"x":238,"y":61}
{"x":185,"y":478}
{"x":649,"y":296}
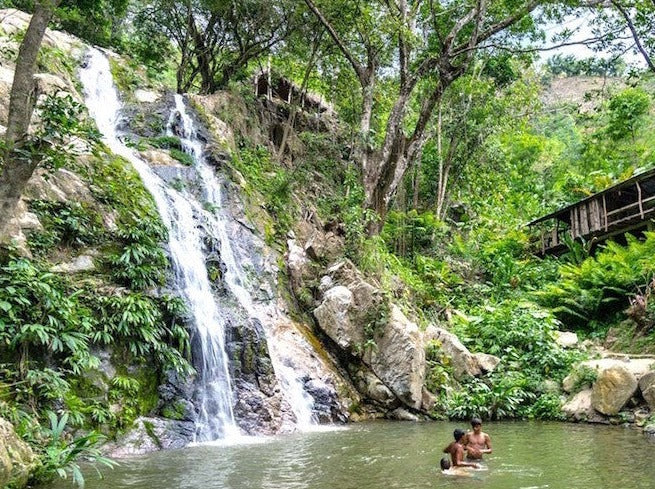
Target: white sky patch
{"x":581,"y":28}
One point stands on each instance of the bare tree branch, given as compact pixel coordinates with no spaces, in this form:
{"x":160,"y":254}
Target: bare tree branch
{"x":635,"y":34}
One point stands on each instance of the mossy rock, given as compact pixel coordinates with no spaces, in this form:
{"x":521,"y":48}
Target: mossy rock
{"x":17,"y":461}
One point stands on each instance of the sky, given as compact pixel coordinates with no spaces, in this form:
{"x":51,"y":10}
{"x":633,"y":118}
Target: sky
{"x":582,"y":29}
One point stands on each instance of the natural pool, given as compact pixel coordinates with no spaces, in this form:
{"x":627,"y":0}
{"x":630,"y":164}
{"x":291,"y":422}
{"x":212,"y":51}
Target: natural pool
{"x":386,"y":455}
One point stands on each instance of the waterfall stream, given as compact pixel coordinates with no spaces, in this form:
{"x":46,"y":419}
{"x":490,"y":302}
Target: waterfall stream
{"x":235,"y":275}
{"x":190,"y":220}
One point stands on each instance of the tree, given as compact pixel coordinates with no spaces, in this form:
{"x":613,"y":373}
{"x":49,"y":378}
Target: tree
{"x":19,"y":164}
{"x":423,"y":46}
{"x":218,"y":38}
{"x":626,"y":25}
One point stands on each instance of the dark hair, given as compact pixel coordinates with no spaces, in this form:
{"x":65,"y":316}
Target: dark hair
{"x":458,"y":434}
{"x":445,"y":463}
{"x":476,"y":422}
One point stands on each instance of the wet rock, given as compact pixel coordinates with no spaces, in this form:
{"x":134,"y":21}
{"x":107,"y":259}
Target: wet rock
{"x":401,"y":414}
{"x":613,"y":389}
{"x":150,"y":435}
{"x":259,"y":414}
{"x":326,"y":401}
{"x":17,"y":460}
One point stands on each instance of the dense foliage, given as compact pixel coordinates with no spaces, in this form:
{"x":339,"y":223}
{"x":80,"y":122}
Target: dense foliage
{"x":445,"y":147}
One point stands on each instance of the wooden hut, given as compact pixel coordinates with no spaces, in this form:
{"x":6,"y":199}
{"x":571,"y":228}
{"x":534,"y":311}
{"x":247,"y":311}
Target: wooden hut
{"x":627,"y":206}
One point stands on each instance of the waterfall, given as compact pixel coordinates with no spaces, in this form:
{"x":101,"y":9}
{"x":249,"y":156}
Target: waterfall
{"x":235,"y":276}
{"x":186,"y":216}
{"x":181,"y":216}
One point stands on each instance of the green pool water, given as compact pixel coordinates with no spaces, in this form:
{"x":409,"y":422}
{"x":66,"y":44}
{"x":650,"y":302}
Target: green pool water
{"x":386,"y":455}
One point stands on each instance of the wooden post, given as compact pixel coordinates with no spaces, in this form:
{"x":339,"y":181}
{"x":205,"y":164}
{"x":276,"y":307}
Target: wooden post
{"x":641,"y":204}
{"x":605,"y":211}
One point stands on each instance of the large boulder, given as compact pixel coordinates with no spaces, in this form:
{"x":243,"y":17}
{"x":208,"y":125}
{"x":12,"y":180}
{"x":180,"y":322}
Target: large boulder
{"x":612,"y":390}
{"x":463,"y":361}
{"x":16,"y":457}
{"x":636,"y":366}
{"x":334,"y":318}
{"x":399,"y":358}
{"x":647,"y":387}
{"x":579,"y":407}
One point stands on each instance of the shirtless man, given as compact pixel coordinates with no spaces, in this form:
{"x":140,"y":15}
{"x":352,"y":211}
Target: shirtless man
{"x":456,"y":451}
{"x":477,"y":442}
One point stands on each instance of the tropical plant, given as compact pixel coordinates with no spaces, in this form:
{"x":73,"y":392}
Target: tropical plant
{"x":62,"y":452}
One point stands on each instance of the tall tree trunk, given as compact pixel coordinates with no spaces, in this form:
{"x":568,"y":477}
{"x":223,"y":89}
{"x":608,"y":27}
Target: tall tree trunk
{"x":18,"y":168}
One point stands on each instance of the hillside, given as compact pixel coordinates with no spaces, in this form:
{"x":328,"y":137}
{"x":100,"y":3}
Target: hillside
{"x":187,"y":268}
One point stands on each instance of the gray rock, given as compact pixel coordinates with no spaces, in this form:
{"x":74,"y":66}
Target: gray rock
{"x":146,"y":96}
{"x":334,"y":318}
{"x":82,"y":263}
{"x":464,"y":363}
{"x":613,"y":389}
{"x":579,"y":407}
{"x":647,"y":387}
{"x":399,"y":359}
{"x":150,"y":435}
{"x":402,"y":415}
{"x":373,"y":388}
{"x":486,"y":362}
{"x":566,"y":339}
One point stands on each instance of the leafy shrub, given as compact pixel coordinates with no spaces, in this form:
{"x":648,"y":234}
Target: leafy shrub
{"x":586,"y":295}
{"x":141,"y":263}
{"x":68,"y":223}
{"x":61,"y":453}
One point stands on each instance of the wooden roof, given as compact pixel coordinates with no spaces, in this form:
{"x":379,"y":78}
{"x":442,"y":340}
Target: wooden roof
{"x":625,"y":183}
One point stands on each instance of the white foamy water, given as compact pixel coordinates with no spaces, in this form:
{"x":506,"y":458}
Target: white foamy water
{"x":235,"y":275}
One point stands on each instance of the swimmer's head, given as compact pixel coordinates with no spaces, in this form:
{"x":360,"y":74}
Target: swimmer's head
{"x":458,"y":434}
{"x":476,"y":422}
{"x":445,"y":463}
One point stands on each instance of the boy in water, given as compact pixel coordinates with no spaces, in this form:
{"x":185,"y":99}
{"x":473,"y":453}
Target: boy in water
{"x":456,"y":451}
{"x":446,"y":469}
{"x":476,"y":442}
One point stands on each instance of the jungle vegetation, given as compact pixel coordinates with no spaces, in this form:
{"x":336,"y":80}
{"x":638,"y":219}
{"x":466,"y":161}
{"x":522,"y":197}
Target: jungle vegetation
{"x":448,"y":145}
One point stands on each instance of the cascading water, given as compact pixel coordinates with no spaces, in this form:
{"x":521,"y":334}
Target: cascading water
{"x":181,"y":216}
{"x":182,"y":126}
{"x":186,"y":217}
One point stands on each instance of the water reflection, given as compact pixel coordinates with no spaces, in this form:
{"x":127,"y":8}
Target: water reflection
{"x":386,"y":455}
